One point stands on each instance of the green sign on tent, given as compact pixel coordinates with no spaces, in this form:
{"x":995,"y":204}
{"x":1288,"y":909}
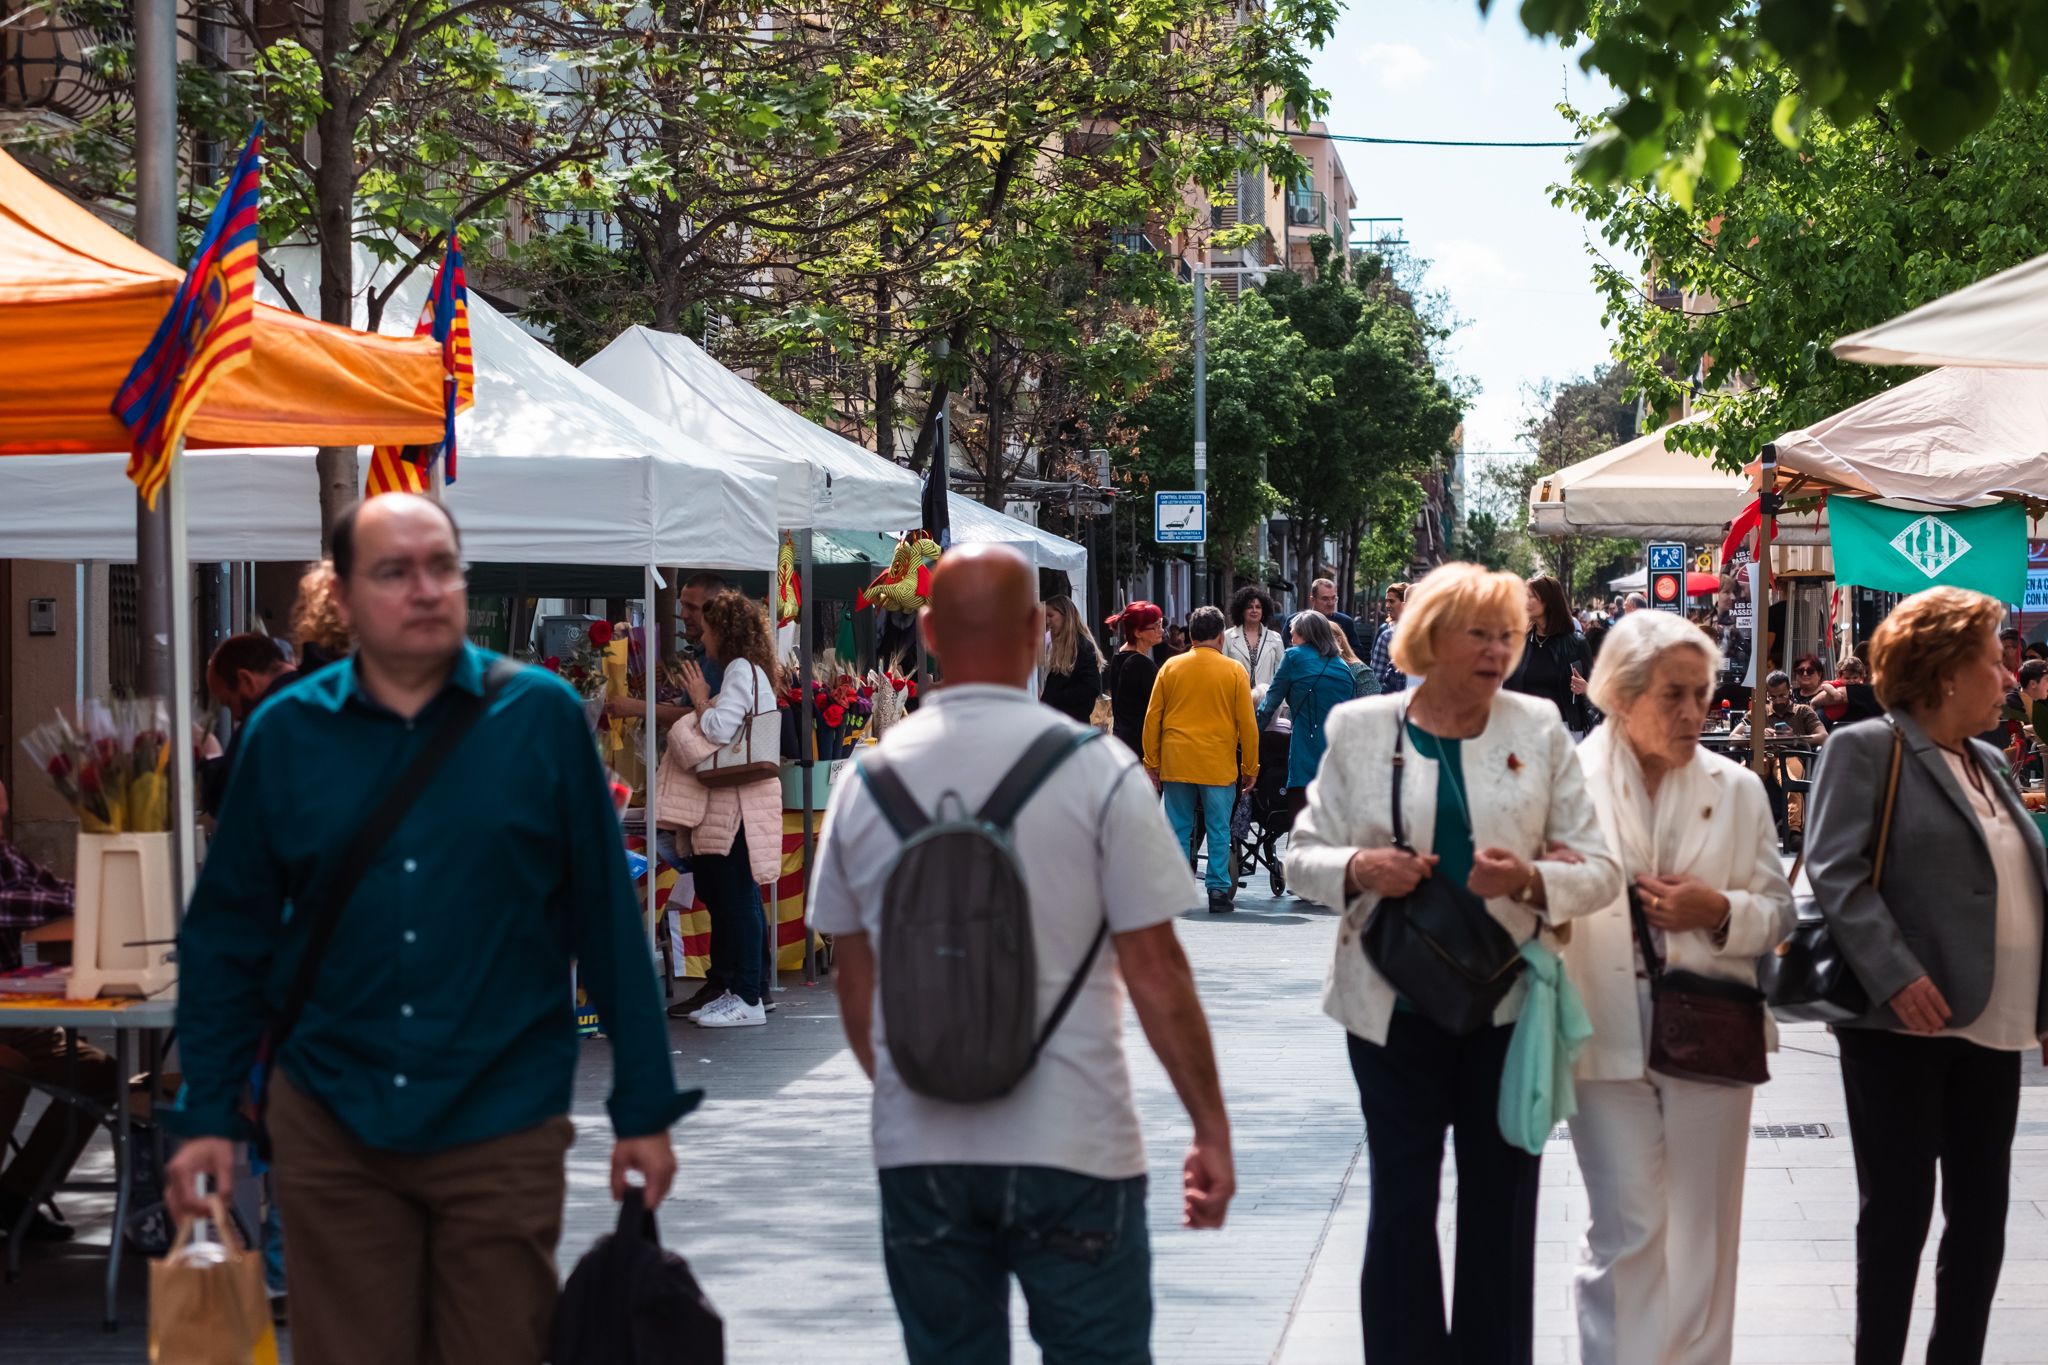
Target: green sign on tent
{"x":1983,"y":549}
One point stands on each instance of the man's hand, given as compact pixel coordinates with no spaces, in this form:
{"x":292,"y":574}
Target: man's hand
{"x":1208,"y":1178}
{"x":1153,"y":773}
{"x":652,"y":1157}
{"x":212,"y":1157}
{"x":1920,"y":1007}
{"x":1245,"y":781}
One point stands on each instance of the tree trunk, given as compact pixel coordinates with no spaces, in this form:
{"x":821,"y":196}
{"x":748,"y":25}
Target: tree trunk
{"x":956,"y":335}
{"x":334,"y":184}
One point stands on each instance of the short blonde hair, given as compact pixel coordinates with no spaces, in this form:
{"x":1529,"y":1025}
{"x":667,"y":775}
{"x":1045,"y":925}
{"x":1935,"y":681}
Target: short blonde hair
{"x":1456,"y":596}
{"x":1629,"y":654}
{"x":1926,"y":639}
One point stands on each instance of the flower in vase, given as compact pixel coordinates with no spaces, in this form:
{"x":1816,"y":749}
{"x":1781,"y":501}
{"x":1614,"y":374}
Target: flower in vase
{"x":600,"y":633}
{"x":834,"y":715}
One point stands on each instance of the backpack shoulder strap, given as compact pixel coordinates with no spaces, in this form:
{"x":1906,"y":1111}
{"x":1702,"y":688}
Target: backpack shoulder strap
{"x":1029,"y":773}
{"x":885,"y":784}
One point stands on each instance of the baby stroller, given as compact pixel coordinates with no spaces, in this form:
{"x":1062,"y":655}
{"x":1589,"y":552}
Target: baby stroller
{"x":1261,"y":817}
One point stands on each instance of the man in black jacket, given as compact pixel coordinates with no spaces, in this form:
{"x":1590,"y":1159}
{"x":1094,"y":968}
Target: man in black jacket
{"x":245,"y":671}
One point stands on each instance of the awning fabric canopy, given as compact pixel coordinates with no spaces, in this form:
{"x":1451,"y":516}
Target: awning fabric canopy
{"x":823,"y":479}
{"x":1952,"y":437}
{"x":1996,"y":323}
{"x":555,"y":469}
{"x":79,"y":302}
{"x":1641,"y":490}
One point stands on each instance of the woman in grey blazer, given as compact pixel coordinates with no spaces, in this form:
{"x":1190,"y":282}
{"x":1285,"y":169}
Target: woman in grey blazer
{"x":1951,"y":951}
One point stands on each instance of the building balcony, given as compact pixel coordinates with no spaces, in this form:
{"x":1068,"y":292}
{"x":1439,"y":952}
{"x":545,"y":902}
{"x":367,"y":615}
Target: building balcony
{"x":1308,"y":209}
{"x":44,"y":61}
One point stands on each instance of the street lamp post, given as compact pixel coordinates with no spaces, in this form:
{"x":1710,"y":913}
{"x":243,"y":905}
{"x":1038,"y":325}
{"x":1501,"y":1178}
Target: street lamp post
{"x":1200,"y":588}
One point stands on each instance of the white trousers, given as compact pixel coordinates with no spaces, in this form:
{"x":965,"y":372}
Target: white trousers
{"x":1663,"y":1162}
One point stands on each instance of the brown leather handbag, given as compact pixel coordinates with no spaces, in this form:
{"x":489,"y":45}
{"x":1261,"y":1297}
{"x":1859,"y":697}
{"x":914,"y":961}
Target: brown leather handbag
{"x":1702,"y":1028}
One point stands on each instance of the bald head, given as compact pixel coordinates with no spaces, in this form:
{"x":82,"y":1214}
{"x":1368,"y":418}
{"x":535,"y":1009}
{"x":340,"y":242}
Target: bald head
{"x":984,"y":621}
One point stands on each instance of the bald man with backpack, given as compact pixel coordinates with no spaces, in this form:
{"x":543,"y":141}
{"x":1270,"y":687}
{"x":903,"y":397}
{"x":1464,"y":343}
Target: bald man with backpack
{"x":991,"y":880}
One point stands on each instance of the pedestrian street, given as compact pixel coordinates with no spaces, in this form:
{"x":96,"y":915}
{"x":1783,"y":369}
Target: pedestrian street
{"x":775,"y":1203}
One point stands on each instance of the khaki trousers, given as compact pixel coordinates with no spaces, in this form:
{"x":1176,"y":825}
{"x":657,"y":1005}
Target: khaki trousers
{"x":397,"y":1258}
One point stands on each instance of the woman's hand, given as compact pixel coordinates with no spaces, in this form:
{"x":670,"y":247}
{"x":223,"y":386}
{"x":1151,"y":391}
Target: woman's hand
{"x":625,"y":708}
{"x":1578,"y":683}
{"x":1920,"y":1007}
{"x":1681,"y":904}
{"x":1496,"y":873}
{"x":693,"y":683}
{"x":1387,"y":871}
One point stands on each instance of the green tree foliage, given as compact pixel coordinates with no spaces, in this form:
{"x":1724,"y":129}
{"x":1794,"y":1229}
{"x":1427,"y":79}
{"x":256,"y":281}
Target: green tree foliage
{"x":1386,"y":414}
{"x":1940,"y":67}
{"x":1746,"y":289}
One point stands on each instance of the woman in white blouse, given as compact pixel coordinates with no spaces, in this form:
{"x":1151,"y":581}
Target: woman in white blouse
{"x":1251,"y":639}
{"x":1949,"y":946}
{"x":1493,"y":797}
{"x":1663,"y":1157}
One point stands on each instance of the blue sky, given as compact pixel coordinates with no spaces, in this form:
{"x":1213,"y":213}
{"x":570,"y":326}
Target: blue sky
{"x":1515,"y":268}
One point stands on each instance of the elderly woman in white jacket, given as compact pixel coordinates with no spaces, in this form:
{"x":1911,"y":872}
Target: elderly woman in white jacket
{"x":1492,"y":796}
{"x":1663,"y":1157}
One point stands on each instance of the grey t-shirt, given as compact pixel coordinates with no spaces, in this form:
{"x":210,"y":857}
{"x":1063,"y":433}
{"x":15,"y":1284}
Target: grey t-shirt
{"x":1093,"y":843}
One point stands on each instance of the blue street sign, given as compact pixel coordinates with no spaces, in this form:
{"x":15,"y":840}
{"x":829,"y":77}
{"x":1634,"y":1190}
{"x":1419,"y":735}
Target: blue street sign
{"x":1180,"y":518}
{"x":1669,"y":558}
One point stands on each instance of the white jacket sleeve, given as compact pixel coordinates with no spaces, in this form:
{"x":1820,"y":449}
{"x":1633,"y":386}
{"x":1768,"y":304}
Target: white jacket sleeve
{"x":1760,"y":912}
{"x":735,"y":702}
{"x":1573,"y":889}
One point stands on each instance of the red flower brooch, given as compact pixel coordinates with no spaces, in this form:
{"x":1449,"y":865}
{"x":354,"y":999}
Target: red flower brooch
{"x":1514,"y":764}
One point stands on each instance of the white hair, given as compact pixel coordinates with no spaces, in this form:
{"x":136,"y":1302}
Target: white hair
{"x":1629,"y":655}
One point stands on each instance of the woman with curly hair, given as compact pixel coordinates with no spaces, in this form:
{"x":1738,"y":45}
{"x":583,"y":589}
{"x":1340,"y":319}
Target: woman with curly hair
{"x":732,"y":834}
{"x":323,"y":637}
{"x":1252,"y":639}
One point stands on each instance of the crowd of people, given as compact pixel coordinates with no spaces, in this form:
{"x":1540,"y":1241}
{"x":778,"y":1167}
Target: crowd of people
{"x":1481,"y":763}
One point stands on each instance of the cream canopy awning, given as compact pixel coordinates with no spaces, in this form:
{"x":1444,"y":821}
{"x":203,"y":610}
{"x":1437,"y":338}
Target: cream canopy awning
{"x":1996,"y":323}
{"x":1953,"y":437}
{"x":1642,"y":490}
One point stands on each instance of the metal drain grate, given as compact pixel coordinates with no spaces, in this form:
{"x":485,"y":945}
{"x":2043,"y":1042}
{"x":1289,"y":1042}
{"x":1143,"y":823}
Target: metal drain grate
{"x":1563,"y":1133}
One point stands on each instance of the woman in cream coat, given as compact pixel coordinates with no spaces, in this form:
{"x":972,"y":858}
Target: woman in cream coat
{"x":1663,"y":1158}
{"x":1492,"y":795}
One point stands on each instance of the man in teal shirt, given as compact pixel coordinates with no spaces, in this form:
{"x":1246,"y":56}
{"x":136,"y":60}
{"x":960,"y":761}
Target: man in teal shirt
{"x":418,"y":1111}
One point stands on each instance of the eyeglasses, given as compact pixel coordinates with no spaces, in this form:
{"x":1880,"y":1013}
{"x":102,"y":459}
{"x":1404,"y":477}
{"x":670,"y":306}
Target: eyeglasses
{"x":1807,"y":668}
{"x":442,"y":577}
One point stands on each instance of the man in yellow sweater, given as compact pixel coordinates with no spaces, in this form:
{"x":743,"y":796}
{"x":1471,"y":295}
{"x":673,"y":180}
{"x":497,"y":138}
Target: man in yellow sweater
{"x":1202,"y":745}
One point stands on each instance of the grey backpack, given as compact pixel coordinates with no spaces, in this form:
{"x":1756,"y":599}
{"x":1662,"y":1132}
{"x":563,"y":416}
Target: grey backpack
{"x":958,"y":964}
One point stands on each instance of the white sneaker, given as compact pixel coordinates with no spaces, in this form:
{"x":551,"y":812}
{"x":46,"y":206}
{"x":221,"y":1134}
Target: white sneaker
{"x":716,"y":1002}
{"x":732,"y":1012}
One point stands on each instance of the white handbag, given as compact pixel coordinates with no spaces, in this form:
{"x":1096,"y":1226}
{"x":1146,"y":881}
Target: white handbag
{"x":752,"y":755}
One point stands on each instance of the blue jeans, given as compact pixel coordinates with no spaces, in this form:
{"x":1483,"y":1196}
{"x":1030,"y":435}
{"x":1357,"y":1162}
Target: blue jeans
{"x":1183,"y":800}
{"x":953,"y":1236}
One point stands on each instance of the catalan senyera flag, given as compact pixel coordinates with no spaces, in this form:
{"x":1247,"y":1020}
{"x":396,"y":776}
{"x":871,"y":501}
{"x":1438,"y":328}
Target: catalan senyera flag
{"x":403,"y":469}
{"x":206,"y":333}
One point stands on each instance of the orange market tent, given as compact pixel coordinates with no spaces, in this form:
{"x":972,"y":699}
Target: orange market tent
{"x":79,"y":302}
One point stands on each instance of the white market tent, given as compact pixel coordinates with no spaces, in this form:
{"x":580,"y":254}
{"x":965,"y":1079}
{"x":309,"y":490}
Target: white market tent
{"x":825,"y":480}
{"x":1642,"y":490}
{"x":1952,"y":437}
{"x":1996,"y":323}
{"x":553,"y":469}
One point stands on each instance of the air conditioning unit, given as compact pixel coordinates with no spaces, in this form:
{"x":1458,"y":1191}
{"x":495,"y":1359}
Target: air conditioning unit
{"x":1302,"y":215}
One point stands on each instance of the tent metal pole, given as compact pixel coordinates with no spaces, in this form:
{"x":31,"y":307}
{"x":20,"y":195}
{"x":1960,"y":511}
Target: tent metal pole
{"x":1760,"y":610}
{"x":805,"y":565}
{"x":649,"y":676}
{"x":182,"y":808}
{"x":156,"y":228}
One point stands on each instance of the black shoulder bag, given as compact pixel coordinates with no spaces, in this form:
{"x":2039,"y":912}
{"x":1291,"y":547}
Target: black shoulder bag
{"x":330,"y":893}
{"x":1437,"y":945}
{"x":1808,"y":977}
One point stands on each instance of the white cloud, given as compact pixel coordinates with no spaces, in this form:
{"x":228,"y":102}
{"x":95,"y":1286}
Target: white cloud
{"x":1396,"y":65}
{"x":1469,"y":268}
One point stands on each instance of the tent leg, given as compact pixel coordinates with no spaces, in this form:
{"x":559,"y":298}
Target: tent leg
{"x":805,"y":564}
{"x":182,"y":807}
{"x":650,"y":674}
{"x":1760,"y":611}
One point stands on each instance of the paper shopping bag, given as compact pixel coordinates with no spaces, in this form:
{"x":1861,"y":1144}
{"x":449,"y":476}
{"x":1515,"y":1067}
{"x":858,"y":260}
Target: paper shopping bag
{"x":207,"y":1302}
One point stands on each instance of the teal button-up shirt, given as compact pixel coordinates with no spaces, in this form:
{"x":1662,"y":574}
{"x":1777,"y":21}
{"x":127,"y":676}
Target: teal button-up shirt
{"x":442,"y":1013}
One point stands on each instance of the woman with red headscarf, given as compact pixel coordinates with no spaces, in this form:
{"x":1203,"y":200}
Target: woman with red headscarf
{"x":1139,"y":628}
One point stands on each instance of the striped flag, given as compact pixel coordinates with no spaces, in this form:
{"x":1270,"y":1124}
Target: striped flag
{"x":403,"y":469}
{"x":206,"y":333}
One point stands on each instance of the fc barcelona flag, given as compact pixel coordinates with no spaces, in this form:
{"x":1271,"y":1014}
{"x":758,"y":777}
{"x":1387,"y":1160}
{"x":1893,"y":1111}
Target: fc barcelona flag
{"x":206,"y":333}
{"x":403,"y":469}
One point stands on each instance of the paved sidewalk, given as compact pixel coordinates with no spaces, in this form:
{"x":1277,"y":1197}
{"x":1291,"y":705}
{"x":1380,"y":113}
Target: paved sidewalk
{"x":776,"y":1203}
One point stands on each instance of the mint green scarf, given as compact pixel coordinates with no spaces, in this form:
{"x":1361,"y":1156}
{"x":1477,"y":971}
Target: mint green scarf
{"x":1536,"y":1084}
